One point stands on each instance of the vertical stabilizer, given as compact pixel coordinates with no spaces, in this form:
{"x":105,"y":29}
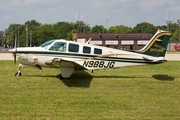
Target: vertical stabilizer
{"x":157,"y":46}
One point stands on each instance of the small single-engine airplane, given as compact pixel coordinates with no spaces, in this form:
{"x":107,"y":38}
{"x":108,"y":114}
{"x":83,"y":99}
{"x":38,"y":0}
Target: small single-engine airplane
{"x":71,"y":56}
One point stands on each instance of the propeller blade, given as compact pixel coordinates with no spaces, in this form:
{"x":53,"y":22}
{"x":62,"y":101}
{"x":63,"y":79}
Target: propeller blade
{"x":15,"y":51}
{"x":14,"y":57}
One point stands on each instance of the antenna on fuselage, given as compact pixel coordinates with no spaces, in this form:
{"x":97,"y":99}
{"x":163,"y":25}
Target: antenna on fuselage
{"x":88,"y":41}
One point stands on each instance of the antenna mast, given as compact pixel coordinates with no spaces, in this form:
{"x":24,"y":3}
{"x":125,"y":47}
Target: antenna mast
{"x":107,"y":23}
{"x":168,"y":22}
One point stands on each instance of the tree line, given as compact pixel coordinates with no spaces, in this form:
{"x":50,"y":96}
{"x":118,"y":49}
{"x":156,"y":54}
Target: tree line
{"x":33,"y":33}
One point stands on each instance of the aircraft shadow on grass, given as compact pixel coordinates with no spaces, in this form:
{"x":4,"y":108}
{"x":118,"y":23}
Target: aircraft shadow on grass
{"x":83,"y":79}
{"x":163,"y":77}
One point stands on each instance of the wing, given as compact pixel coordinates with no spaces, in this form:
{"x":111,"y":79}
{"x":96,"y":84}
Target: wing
{"x":65,"y":63}
{"x":67,"y":67}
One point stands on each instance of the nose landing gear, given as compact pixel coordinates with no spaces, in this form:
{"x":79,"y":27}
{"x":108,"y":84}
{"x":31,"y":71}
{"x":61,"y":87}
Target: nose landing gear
{"x":18,"y":73}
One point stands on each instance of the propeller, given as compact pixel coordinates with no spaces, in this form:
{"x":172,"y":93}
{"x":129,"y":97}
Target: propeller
{"x":14,"y":54}
{"x":15,"y":51}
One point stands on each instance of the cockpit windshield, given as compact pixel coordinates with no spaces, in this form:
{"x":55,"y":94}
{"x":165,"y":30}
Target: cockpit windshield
{"x":45,"y":45}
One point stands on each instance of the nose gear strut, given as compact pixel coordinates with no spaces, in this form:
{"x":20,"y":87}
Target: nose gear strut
{"x":18,"y":73}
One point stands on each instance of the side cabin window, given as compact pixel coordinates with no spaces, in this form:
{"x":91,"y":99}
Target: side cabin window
{"x":86,"y":49}
{"x":97,"y":51}
{"x":58,"y":46}
{"x":73,"y":47}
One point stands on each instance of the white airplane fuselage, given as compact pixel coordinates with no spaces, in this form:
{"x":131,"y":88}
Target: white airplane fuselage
{"x":115,"y":58}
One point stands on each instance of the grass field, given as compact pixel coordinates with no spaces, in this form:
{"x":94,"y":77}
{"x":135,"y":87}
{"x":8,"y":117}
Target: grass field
{"x":133,"y":93}
{"x":173,"y":52}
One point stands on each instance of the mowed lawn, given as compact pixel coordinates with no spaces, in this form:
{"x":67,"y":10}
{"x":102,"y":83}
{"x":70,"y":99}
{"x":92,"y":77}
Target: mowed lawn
{"x":132,"y":93}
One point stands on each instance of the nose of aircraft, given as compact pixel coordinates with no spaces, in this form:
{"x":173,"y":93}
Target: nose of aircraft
{"x":11,"y":50}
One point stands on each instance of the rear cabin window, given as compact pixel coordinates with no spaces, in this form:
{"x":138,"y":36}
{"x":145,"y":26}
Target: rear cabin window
{"x":86,"y":49}
{"x":97,"y":51}
{"x":73,"y":48}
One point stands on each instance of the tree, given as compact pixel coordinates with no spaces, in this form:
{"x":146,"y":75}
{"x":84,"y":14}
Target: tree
{"x":175,"y":35}
{"x":62,"y":28}
{"x":119,"y":29}
{"x":144,"y":27}
{"x":12,"y":34}
{"x":1,"y":38}
{"x":33,"y":23}
{"x":98,"y":29}
{"x":44,"y":33}
{"x":69,"y":35}
{"x":82,"y":27}
{"x":163,"y":27}
{"x":173,"y":27}
{"x":31,"y":28}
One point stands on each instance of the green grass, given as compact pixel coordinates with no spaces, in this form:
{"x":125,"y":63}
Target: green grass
{"x":132,"y":93}
{"x":173,"y":52}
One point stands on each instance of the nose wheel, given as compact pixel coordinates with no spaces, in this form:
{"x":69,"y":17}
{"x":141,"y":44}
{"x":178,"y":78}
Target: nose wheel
{"x":18,"y":73}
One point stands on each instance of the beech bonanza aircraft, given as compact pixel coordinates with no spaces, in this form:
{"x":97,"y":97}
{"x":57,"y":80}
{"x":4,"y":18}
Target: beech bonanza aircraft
{"x":71,"y":56}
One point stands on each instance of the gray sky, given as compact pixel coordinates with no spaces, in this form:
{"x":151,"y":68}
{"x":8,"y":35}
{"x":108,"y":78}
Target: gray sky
{"x":93,"y":12}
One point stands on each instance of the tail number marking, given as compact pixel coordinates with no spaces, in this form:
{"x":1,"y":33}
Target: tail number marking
{"x":98,"y":64}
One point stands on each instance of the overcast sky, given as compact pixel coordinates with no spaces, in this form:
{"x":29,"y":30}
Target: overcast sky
{"x":93,"y":12}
